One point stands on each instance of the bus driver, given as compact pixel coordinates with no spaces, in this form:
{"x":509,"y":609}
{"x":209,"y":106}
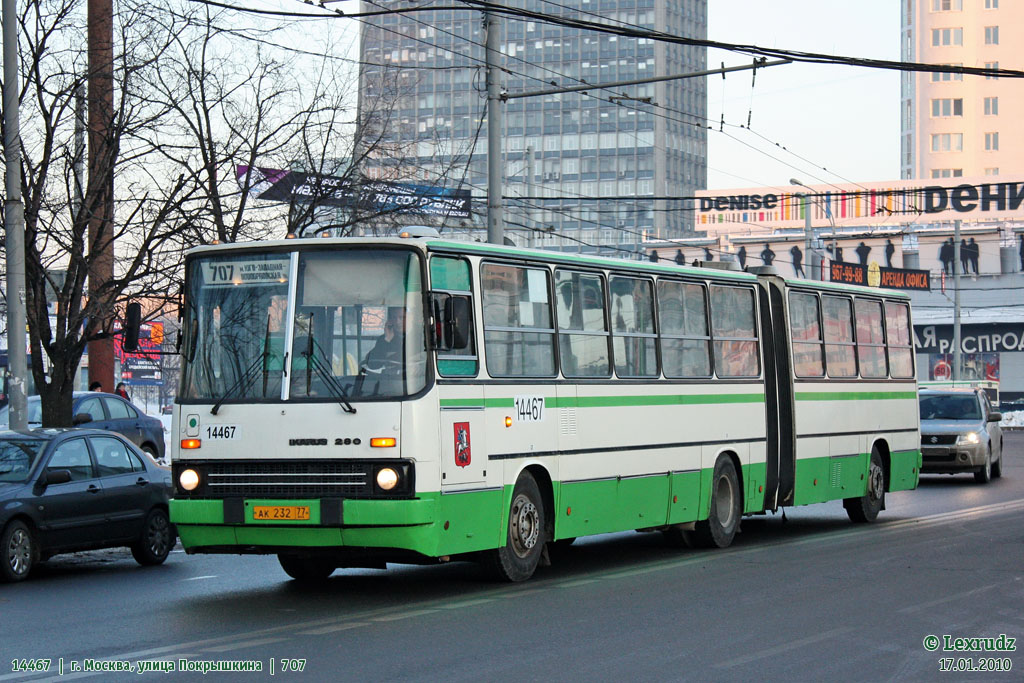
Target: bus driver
{"x":389,"y":345}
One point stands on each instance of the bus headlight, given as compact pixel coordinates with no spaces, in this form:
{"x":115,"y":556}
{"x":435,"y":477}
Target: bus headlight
{"x":387,"y":478}
{"x":188,"y":480}
{"x":969,"y":438}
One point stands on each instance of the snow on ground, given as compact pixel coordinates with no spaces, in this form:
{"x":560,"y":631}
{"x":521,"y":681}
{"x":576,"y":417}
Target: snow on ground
{"x":1014,"y":418}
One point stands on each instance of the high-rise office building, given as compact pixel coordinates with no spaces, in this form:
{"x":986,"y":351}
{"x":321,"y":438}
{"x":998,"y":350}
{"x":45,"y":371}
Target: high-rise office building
{"x":953,"y":124}
{"x":423,"y":90}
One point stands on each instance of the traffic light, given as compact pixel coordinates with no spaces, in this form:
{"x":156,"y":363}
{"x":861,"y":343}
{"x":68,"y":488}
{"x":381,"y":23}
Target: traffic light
{"x":132,"y":322}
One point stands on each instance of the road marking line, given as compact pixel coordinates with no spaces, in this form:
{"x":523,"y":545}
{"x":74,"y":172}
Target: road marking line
{"x":792,"y":645}
{"x":198,"y":578}
{"x":574,"y":583}
{"x":403,"y":615}
{"x":950,"y":598}
{"x":466,"y":603}
{"x":244,"y":643}
{"x":332,"y":629}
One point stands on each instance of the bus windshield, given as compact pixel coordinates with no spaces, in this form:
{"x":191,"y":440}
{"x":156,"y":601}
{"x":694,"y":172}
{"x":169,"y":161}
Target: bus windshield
{"x":356,"y":326}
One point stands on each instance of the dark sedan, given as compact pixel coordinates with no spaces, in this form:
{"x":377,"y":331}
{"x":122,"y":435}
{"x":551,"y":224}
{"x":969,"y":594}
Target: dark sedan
{"x":66,"y":490}
{"x":99,"y":410}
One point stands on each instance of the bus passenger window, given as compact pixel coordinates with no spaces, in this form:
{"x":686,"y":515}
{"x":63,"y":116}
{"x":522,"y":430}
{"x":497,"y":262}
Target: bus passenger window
{"x":734,"y":331}
{"x":805,"y":331}
{"x":870,"y":341}
{"x":518,"y":330}
{"x":582,"y":331}
{"x":633,"y":339}
{"x":897,"y":337}
{"x":840,"y":359}
{"x":685,"y":342}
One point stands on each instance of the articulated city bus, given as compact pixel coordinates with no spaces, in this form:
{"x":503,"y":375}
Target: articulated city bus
{"x":352,"y":402}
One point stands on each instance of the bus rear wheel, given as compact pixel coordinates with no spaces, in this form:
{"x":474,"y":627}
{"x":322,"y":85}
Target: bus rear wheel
{"x":719,"y":529}
{"x":524,"y":536}
{"x":306,"y":569}
{"x":866,"y":508}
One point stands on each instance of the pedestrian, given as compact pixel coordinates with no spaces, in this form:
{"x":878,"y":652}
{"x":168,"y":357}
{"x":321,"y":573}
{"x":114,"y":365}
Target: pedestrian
{"x":862,"y":253}
{"x":964,"y":256}
{"x":122,"y":391}
{"x":890,"y":250}
{"x":96,"y":386}
{"x":708,"y":256}
{"x":973,"y":254}
{"x":680,"y":259}
{"x":946,"y":256}
{"x":798,"y":261}
{"x":741,"y":255}
{"x":767,"y":255}
{"x":1022,"y":252}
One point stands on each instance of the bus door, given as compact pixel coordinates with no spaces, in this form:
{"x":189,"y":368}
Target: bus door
{"x":463,"y":438}
{"x":780,"y":450}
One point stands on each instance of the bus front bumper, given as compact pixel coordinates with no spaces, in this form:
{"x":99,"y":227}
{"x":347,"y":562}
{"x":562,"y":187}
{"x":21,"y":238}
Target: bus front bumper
{"x":230,"y":526}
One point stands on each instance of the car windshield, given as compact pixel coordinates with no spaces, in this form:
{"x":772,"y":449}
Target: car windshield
{"x":35,"y":413}
{"x":18,"y":456}
{"x":939,"y":407}
{"x":357,"y":321}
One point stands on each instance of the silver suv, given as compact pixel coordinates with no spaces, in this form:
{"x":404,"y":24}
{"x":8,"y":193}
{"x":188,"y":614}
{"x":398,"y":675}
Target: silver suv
{"x":960,"y":433}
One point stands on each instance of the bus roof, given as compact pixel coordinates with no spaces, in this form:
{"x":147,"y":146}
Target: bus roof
{"x":484,"y":249}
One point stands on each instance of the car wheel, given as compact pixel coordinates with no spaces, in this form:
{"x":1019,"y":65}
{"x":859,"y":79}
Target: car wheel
{"x":151,"y":452}
{"x":984,"y":473}
{"x":518,"y":558}
{"x":719,"y":529}
{"x":866,"y":508}
{"x":997,"y":466}
{"x":306,"y":569}
{"x":18,"y":552}
{"x":157,"y":538}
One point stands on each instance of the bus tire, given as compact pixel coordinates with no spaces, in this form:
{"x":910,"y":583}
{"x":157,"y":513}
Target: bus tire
{"x":719,"y":529}
{"x":306,"y":569}
{"x":524,"y":543}
{"x":866,"y":508}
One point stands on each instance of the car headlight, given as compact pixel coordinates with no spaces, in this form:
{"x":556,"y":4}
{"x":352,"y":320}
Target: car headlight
{"x":188,"y":480}
{"x":387,"y":478}
{"x":970,"y":438}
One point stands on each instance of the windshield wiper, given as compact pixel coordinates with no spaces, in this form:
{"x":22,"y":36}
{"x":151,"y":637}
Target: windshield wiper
{"x":313,"y":362}
{"x":247,"y":377}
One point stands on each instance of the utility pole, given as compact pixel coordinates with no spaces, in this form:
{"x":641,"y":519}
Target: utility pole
{"x":956,"y":301}
{"x":101,"y":183}
{"x":495,"y":229}
{"x":809,"y":269}
{"x":531,"y":219}
{"x":14,"y":225}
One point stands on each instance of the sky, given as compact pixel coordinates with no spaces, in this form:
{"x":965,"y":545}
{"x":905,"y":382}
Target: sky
{"x":844,"y":119}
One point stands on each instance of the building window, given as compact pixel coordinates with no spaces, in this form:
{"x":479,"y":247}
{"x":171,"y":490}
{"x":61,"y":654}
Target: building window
{"x":948,"y":107}
{"x":947,"y":5}
{"x":991,"y":106}
{"x":991,"y":35}
{"x":947,"y":36}
{"x":992,"y":171}
{"x":948,"y":142}
{"x":991,"y":65}
{"x":991,"y":4}
{"x":947,"y":172}
{"x":946,"y":76}
{"x":991,"y":142}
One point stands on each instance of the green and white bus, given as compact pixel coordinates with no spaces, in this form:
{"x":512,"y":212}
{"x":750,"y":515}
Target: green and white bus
{"x":352,"y":402}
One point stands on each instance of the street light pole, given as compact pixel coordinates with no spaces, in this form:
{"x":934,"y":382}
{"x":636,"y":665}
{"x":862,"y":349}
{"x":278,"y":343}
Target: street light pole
{"x":14,"y":225}
{"x":495,"y":228}
{"x":811,"y":267}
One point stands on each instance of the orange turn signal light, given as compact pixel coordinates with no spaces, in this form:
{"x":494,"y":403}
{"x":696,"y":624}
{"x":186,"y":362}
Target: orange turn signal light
{"x":382,"y":442}
{"x":508,"y":421}
{"x":191,"y":443}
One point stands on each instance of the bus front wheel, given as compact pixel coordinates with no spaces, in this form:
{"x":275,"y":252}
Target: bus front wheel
{"x":866,"y":508}
{"x":307,"y":569}
{"x":719,"y":529}
{"x":524,"y":535}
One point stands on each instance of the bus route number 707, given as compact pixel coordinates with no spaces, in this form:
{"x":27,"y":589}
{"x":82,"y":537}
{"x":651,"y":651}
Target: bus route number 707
{"x":529,"y":408}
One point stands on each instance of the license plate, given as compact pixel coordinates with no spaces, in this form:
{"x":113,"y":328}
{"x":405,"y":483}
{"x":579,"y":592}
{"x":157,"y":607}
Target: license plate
{"x":280,"y":512}
{"x":221,"y":432}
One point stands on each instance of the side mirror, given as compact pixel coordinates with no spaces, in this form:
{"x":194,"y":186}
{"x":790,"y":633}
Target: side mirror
{"x":81,"y":419}
{"x":56,"y":477}
{"x":458,"y":320}
{"x":995,"y":417}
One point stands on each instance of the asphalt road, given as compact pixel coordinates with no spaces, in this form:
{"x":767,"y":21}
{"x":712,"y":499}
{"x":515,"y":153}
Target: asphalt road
{"x":810,"y":598}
